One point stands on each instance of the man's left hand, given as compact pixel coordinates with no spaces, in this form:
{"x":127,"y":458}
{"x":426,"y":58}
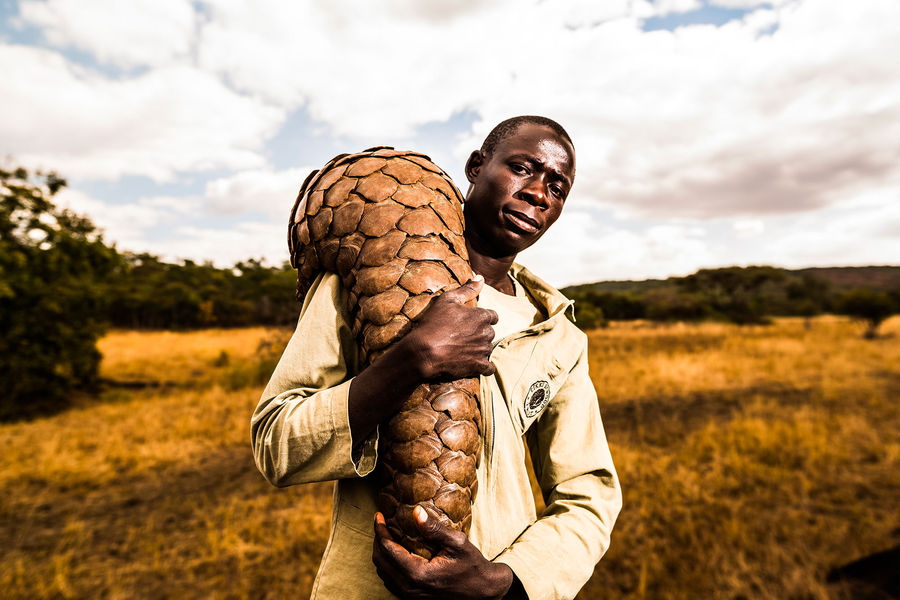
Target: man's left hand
{"x":459,"y":570}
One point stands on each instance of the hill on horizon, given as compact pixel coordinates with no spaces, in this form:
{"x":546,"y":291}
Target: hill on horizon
{"x":881,"y":278}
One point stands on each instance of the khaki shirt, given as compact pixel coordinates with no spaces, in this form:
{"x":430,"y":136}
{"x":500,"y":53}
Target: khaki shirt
{"x":541,"y":390}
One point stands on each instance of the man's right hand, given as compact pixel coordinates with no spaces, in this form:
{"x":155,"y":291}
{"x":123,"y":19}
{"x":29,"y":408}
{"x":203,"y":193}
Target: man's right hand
{"x":451,"y":339}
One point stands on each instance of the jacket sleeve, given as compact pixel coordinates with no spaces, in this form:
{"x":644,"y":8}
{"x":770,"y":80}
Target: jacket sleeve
{"x":300,"y":429}
{"x":555,"y":556}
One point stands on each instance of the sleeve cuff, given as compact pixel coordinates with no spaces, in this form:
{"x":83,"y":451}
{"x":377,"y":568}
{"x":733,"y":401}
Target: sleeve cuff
{"x":533,"y":584}
{"x":363,"y":457}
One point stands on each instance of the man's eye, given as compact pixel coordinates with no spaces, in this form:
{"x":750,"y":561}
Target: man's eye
{"x":556,"y":191}
{"x":517,"y":168}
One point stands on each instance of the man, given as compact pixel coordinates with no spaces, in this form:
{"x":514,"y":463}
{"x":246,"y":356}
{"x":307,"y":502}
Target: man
{"x":318,"y":417}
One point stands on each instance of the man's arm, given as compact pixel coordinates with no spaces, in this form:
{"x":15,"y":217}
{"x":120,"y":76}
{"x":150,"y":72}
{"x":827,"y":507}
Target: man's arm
{"x":315,"y":424}
{"x":557,"y":554}
{"x":300,"y":430}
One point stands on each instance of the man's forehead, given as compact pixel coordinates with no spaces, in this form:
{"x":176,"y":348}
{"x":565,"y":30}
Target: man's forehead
{"x":542,"y":141}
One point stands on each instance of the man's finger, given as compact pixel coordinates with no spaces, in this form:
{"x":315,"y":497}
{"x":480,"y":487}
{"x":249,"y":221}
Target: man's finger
{"x":390,"y":550}
{"x":433,"y":530}
{"x":381,"y":529}
{"x":467,"y":291}
{"x":386,"y":570}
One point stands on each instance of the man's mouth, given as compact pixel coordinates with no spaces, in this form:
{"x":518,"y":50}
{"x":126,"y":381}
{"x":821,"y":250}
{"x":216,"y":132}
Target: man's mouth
{"x":521,"y":221}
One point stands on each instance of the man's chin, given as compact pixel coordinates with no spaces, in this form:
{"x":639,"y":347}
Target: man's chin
{"x":517,"y":241}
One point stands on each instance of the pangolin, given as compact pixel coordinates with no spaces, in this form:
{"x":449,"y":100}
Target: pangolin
{"x":390,"y":224}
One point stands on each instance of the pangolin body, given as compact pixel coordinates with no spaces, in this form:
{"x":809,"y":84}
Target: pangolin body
{"x":390,"y":224}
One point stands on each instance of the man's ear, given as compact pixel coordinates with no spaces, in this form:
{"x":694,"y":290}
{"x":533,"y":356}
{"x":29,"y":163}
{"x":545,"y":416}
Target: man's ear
{"x":474,"y":164}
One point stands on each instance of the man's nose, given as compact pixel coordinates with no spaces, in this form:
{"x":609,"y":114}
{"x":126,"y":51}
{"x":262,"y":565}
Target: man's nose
{"x":533,"y":192}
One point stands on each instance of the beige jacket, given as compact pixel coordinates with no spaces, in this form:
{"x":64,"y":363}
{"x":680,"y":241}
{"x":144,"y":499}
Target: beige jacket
{"x":542,"y":391}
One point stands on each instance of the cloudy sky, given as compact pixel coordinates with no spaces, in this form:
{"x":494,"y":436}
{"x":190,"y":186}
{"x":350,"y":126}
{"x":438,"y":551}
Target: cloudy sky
{"x":709,"y":132}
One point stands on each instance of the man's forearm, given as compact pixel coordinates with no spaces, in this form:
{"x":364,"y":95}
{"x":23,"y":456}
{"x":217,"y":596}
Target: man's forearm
{"x":449,"y":341}
{"x":378,"y":391}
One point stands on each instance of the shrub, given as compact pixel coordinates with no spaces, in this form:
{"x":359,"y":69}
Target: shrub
{"x":869,"y":306}
{"x":52,"y":267}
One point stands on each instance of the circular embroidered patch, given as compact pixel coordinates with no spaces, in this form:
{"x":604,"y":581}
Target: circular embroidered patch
{"x":537,"y":398}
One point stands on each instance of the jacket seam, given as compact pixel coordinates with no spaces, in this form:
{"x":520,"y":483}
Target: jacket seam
{"x":328,"y":547}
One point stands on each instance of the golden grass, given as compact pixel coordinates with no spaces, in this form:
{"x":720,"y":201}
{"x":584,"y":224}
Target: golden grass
{"x":154,"y":496}
{"x":177,"y":357}
{"x":642,"y":359}
{"x":752,"y":460}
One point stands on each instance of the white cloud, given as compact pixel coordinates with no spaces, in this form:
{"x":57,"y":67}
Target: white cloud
{"x":366,"y":69}
{"x":582,"y":247}
{"x":84,"y":125}
{"x":709,"y":122}
{"x":223,"y":246}
{"x":125,"y":34}
{"x":865,"y":239}
{"x":792,"y":110}
{"x":439,"y":11}
{"x":587,"y":13}
{"x":664,"y":7}
{"x":237,"y":217}
{"x":122,"y":223}
{"x":746,"y":4}
{"x":267,"y":191}
{"x":747,"y":228}
{"x":701,"y":122}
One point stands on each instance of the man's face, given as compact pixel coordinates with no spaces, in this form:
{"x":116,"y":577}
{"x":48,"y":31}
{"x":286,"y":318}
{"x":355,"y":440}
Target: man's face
{"x":518,"y":191}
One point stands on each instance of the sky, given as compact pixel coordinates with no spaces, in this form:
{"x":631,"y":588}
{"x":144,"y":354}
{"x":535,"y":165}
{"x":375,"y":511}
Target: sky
{"x":708,"y":132}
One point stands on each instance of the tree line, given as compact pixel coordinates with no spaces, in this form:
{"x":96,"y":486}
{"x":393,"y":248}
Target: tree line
{"x":741,"y":295}
{"x":144,"y":292}
{"x":62,"y":286}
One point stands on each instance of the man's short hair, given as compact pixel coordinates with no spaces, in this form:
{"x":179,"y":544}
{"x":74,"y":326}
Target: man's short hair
{"x":508,"y":127}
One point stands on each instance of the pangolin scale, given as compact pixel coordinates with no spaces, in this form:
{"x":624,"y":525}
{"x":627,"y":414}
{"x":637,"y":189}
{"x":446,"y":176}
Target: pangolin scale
{"x":390,"y":224}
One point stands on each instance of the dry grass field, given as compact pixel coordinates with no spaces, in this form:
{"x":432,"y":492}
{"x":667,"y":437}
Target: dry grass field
{"x":753,"y":460}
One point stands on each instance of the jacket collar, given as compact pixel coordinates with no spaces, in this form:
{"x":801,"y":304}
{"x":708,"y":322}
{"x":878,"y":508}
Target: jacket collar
{"x":548,"y":296}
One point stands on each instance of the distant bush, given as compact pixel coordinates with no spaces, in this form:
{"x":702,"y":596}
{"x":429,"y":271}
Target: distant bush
{"x":589,"y":315}
{"x":672,"y":304}
{"x":152,"y":294}
{"x":53,"y":269}
{"x":872,"y":307}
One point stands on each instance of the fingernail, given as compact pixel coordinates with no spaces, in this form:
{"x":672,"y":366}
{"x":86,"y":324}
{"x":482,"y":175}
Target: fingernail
{"x":420,"y":513}
{"x":478,"y":277}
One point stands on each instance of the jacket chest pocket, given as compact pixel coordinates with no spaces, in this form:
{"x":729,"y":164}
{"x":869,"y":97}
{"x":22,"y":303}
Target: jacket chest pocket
{"x":534,"y":388}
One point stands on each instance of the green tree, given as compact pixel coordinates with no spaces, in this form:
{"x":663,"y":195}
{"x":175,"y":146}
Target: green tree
{"x":53,"y":267}
{"x":671,"y":303}
{"x":619,"y":306}
{"x":869,"y":306}
{"x":589,"y":316}
{"x":735,"y":293}
{"x":808,"y":296}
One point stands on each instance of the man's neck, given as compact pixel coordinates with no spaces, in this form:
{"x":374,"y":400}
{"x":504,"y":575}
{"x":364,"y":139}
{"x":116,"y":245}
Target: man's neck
{"x":495,"y":270}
